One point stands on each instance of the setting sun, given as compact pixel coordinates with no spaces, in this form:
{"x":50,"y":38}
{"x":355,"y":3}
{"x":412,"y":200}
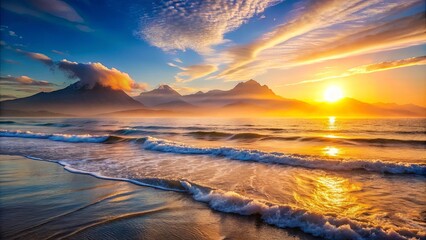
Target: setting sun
{"x":333,"y":94}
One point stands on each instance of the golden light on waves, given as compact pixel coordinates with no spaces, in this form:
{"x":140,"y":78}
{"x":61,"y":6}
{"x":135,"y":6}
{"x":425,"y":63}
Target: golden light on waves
{"x":329,"y":195}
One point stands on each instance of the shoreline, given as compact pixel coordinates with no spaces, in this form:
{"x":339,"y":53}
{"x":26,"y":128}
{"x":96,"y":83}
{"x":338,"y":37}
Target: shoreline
{"x":171,"y":214}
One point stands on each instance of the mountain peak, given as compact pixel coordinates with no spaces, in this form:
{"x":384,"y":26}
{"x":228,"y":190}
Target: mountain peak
{"x":162,"y":90}
{"x":252,"y":87}
{"x":165,"y":87}
{"x":250,"y":82}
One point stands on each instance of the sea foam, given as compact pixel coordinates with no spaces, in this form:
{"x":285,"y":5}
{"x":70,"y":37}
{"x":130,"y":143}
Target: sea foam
{"x":161,"y":145}
{"x":55,"y":137}
{"x":286,"y":216}
{"x":280,"y":215}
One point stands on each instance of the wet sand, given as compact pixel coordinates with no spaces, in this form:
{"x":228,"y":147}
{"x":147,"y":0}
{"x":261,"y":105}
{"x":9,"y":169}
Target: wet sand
{"x":41,"y":200}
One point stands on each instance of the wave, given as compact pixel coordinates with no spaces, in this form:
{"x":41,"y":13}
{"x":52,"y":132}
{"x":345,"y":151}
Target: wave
{"x":286,"y":216}
{"x":291,"y":160}
{"x":168,"y":127}
{"x":250,"y":136}
{"x":61,"y":125}
{"x":210,"y":134}
{"x":280,"y":215}
{"x":58,"y":137}
{"x":161,"y":145}
{"x":7,"y":122}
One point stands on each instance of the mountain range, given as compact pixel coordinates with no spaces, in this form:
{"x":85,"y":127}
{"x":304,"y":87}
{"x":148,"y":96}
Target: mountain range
{"x":246,"y":99}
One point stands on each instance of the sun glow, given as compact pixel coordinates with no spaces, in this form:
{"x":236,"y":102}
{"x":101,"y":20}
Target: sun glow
{"x":331,"y":151}
{"x":333,"y":94}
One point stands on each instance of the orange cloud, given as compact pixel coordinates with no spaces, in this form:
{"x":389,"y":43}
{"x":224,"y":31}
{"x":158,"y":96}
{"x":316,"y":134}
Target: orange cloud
{"x":96,"y":73}
{"x":193,"y":72}
{"x":323,"y":30}
{"x":370,"y":68}
{"x":37,"y":56}
{"x":23,"y":80}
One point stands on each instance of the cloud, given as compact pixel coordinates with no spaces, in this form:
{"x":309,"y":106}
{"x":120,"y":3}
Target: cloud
{"x":197,"y":25}
{"x":10,"y":61}
{"x":370,"y":68}
{"x":322,"y":30}
{"x":184,"y":90}
{"x":37,"y":56}
{"x":193,"y":72}
{"x":96,"y":73}
{"x":4,"y":28}
{"x":403,"y":32}
{"x":89,"y":73}
{"x":22,"y":80}
{"x":58,"y":52}
{"x":47,"y":10}
{"x":177,"y":60}
{"x":24,"y":84}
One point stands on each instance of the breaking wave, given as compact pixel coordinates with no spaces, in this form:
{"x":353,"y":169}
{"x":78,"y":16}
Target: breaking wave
{"x":306,"y":161}
{"x":280,"y":158}
{"x":286,"y":216}
{"x":56,"y":137}
{"x":280,"y":215}
{"x":251,"y":136}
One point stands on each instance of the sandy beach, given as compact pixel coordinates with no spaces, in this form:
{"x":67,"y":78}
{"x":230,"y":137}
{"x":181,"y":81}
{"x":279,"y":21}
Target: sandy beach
{"x":41,"y":200}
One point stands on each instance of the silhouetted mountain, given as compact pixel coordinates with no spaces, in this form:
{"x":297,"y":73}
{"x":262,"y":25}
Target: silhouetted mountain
{"x":160,"y":95}
{"x":245,"y":99}
{"x":242,"y":92}
{"x":421,"y":111}
{"x":17,"y":113}
{"x":176,"y":105}
{"x":353,"y":107}
{"x":75,"y":99}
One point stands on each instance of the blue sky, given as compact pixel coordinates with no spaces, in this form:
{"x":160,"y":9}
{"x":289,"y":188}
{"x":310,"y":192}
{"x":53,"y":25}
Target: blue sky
{"x":292,"y":46}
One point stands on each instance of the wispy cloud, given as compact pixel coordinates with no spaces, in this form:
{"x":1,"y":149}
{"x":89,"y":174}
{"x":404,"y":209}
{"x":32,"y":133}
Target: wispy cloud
{"x":37,"y":56}
{"x":10,"y":61}
{"x":58,"y":52}
{"x":317,"y":31}
{"x":4,"y":28}
{"x":24,"y":84}
{"x":177,"y":60}
{"x":193,"y":72}
{"x":370,"y":68}
{"x":23,"y":80}
{"x":199,"y":24}
{"x":48,"y":10}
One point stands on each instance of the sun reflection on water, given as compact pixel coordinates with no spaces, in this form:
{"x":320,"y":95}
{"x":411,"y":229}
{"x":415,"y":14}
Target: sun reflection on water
{"x":329,"y":195}
{"x":331,"y":151}
{"x":331,"y":123}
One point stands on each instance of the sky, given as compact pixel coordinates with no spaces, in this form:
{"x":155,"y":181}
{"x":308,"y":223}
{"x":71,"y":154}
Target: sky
{"x":373,"y":50}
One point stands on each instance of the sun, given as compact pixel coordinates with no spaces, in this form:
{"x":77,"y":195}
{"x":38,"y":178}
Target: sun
{"x":333,"y":94}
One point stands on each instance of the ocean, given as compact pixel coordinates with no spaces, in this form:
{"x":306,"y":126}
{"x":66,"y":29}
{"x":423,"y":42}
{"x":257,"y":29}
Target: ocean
{"x":333,"y":178}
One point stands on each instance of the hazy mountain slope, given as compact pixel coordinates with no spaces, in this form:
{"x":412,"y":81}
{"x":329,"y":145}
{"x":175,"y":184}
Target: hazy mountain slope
{"x":160,"y":95}
{"x":75,"y":99}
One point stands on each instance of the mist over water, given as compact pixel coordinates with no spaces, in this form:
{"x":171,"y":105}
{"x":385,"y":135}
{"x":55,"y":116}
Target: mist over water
{"x":330,"y":177}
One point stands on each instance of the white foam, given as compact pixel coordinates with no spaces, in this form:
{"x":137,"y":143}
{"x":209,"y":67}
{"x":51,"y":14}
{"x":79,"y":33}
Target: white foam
{"x":285,"y":216}
{"x":55,"y":137}
{"x":286,"y":159}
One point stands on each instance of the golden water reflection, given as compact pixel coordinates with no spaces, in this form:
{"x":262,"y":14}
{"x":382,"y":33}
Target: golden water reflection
{"x":329,"y":195}
{"x":331,"y":123}
{"x":331,"y":151}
